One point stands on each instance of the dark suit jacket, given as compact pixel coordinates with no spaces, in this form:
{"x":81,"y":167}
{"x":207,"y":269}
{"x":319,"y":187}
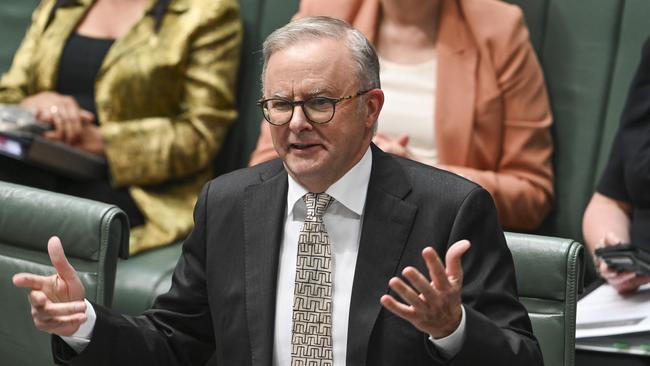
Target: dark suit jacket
{"x":223,"y":292}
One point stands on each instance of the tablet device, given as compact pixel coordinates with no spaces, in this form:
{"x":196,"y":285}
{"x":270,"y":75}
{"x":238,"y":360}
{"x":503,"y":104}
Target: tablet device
{"x":625,"y":258}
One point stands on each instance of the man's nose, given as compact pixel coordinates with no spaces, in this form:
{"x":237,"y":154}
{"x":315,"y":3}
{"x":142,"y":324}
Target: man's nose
{"x":299,"y":121}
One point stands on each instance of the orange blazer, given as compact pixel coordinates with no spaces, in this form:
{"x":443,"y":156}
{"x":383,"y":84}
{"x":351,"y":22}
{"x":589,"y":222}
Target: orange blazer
{"x":492,"y":120}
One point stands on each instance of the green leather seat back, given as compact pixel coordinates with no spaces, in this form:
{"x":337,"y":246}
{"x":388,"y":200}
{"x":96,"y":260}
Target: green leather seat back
{"x":589,"y":50}
{"x":549,"y":276}
{"x":144,"y":276}
{"x":93,"y":234}
{"x":15,"y":16}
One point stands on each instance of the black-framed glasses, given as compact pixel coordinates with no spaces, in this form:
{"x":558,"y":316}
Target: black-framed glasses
{"x":319,"y":110}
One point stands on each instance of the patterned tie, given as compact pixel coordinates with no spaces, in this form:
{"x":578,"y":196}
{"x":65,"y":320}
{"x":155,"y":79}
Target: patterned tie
{"x":311,"y":336}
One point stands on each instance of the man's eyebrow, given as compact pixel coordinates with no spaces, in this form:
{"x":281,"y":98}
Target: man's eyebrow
{"x":310,"y":94}
{"x":317,"y":92}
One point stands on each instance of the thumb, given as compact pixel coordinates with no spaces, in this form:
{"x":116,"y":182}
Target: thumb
{"x":611,"y":238}
{"x":452,"y":259}
{"x":59,"y":261}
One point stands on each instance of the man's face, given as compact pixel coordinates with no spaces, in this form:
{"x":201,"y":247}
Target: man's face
{"x":317,"y":155}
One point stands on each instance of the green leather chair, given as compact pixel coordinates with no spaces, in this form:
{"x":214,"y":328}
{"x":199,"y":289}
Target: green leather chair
{"x":549,"y":277}
{"x":93,"y":234}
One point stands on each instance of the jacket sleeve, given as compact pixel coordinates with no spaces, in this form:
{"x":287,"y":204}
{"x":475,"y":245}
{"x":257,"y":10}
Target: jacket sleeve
{"x":15,"y":85}
{"x":496,"y":322}
{"x":153,"y":150}
{"x":177,"y":331}
{"x":522,"y":184}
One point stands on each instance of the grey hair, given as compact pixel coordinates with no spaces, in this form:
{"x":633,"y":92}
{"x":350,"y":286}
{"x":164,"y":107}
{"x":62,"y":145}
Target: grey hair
{"x":320,"y":27}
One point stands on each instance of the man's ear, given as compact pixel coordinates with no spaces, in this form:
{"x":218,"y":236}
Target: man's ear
{"x":374,"y":100}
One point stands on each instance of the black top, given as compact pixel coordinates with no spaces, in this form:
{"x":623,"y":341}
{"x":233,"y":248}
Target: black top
{"x":627,"y":174}
{"x":80,"y":62}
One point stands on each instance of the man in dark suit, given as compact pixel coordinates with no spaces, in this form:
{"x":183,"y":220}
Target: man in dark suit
{"x":327,"y":256}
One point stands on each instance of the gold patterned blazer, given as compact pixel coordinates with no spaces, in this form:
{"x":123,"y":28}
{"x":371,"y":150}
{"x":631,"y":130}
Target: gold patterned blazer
{"x":164,"y":100}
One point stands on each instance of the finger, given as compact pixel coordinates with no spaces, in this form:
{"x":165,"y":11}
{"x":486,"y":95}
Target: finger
{"x":611,"y":238}
{"x":30,"y":281}
{"x":403,"y":311}
{"x":61,"y":324}
{"x":604,"y":268}
{"x":66,"y":121}
{"x":37,"y":299}
{"x":58,"y":122}
{"x":405,"y":292}
{"x":86,"y":116}
{"x":619,"y":280}
{"x":420,"y":283}
{"x":44,"y":115}
{"x":53,"y":309}
{"x":59,"y":261}
{"x":629,"y":286}
{"x":436,"y":270}
{"x":453,"y":263}
{"x":74,"y":119}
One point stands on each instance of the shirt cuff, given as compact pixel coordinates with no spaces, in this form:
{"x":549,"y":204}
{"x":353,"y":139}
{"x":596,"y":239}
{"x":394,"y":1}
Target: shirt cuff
{"x":450,"y":345}
{"x":80,"y":339}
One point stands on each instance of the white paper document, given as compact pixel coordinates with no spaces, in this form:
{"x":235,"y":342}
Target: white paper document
{"x":604,"y":312}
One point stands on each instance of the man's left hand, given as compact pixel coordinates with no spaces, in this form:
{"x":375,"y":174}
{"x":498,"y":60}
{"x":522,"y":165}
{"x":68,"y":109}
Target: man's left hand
{"x":433,"y":307}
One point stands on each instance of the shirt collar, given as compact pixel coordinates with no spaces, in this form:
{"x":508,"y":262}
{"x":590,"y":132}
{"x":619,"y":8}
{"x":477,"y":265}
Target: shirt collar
{"x":350,"y":190}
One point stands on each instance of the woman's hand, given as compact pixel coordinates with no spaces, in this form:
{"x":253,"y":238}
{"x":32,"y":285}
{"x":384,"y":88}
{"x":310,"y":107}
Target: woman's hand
{"x":60,"y":111}
{"x":395,"y":146}
{"x":90,"y":140}
{"x":623,"y":282}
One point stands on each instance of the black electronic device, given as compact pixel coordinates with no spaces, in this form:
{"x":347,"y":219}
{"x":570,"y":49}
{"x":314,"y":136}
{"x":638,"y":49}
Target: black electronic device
{"x":625,"y":258}
{"x":20,"y":139}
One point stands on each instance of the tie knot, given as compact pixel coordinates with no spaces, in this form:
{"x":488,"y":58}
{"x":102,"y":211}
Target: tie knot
{"x":316,"y":203}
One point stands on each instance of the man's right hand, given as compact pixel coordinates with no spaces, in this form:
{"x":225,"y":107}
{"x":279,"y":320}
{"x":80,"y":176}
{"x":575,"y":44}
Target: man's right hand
{"x":57,"y":301}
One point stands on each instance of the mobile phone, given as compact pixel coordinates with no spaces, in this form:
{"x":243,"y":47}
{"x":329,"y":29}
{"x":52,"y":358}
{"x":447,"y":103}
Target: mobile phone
{"x":625,"y":258}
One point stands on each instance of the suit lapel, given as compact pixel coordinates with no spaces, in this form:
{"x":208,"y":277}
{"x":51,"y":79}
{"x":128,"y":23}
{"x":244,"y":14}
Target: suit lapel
{"x":263,"y":219}
{"x":456,"y":85}
{"x":387,"y":223}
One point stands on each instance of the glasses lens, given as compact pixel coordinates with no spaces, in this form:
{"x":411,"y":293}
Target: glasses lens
{"x":319,"y":109}
{"x":277,"y":111}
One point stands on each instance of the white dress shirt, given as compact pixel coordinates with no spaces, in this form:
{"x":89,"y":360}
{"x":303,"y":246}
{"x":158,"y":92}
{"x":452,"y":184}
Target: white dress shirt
{"x":343,"y":220}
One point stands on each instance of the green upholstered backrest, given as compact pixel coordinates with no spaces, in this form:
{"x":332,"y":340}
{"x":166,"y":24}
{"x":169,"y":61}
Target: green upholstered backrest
{"x":549,"y":277}
{"x":92,"y":234}
{"x":589,"y":50}
{"x":15,"y":16}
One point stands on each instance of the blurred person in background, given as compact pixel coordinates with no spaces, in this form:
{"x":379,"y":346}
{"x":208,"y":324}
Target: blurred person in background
{"x":619,"y":210}
{"x":149,"y":85}
{"x":464,"y":92}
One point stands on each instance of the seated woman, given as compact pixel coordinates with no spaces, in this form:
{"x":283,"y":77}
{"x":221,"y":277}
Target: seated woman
{"x":619,"y":211}
{"x":149,"y":85}
{"x":464,"y":92}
